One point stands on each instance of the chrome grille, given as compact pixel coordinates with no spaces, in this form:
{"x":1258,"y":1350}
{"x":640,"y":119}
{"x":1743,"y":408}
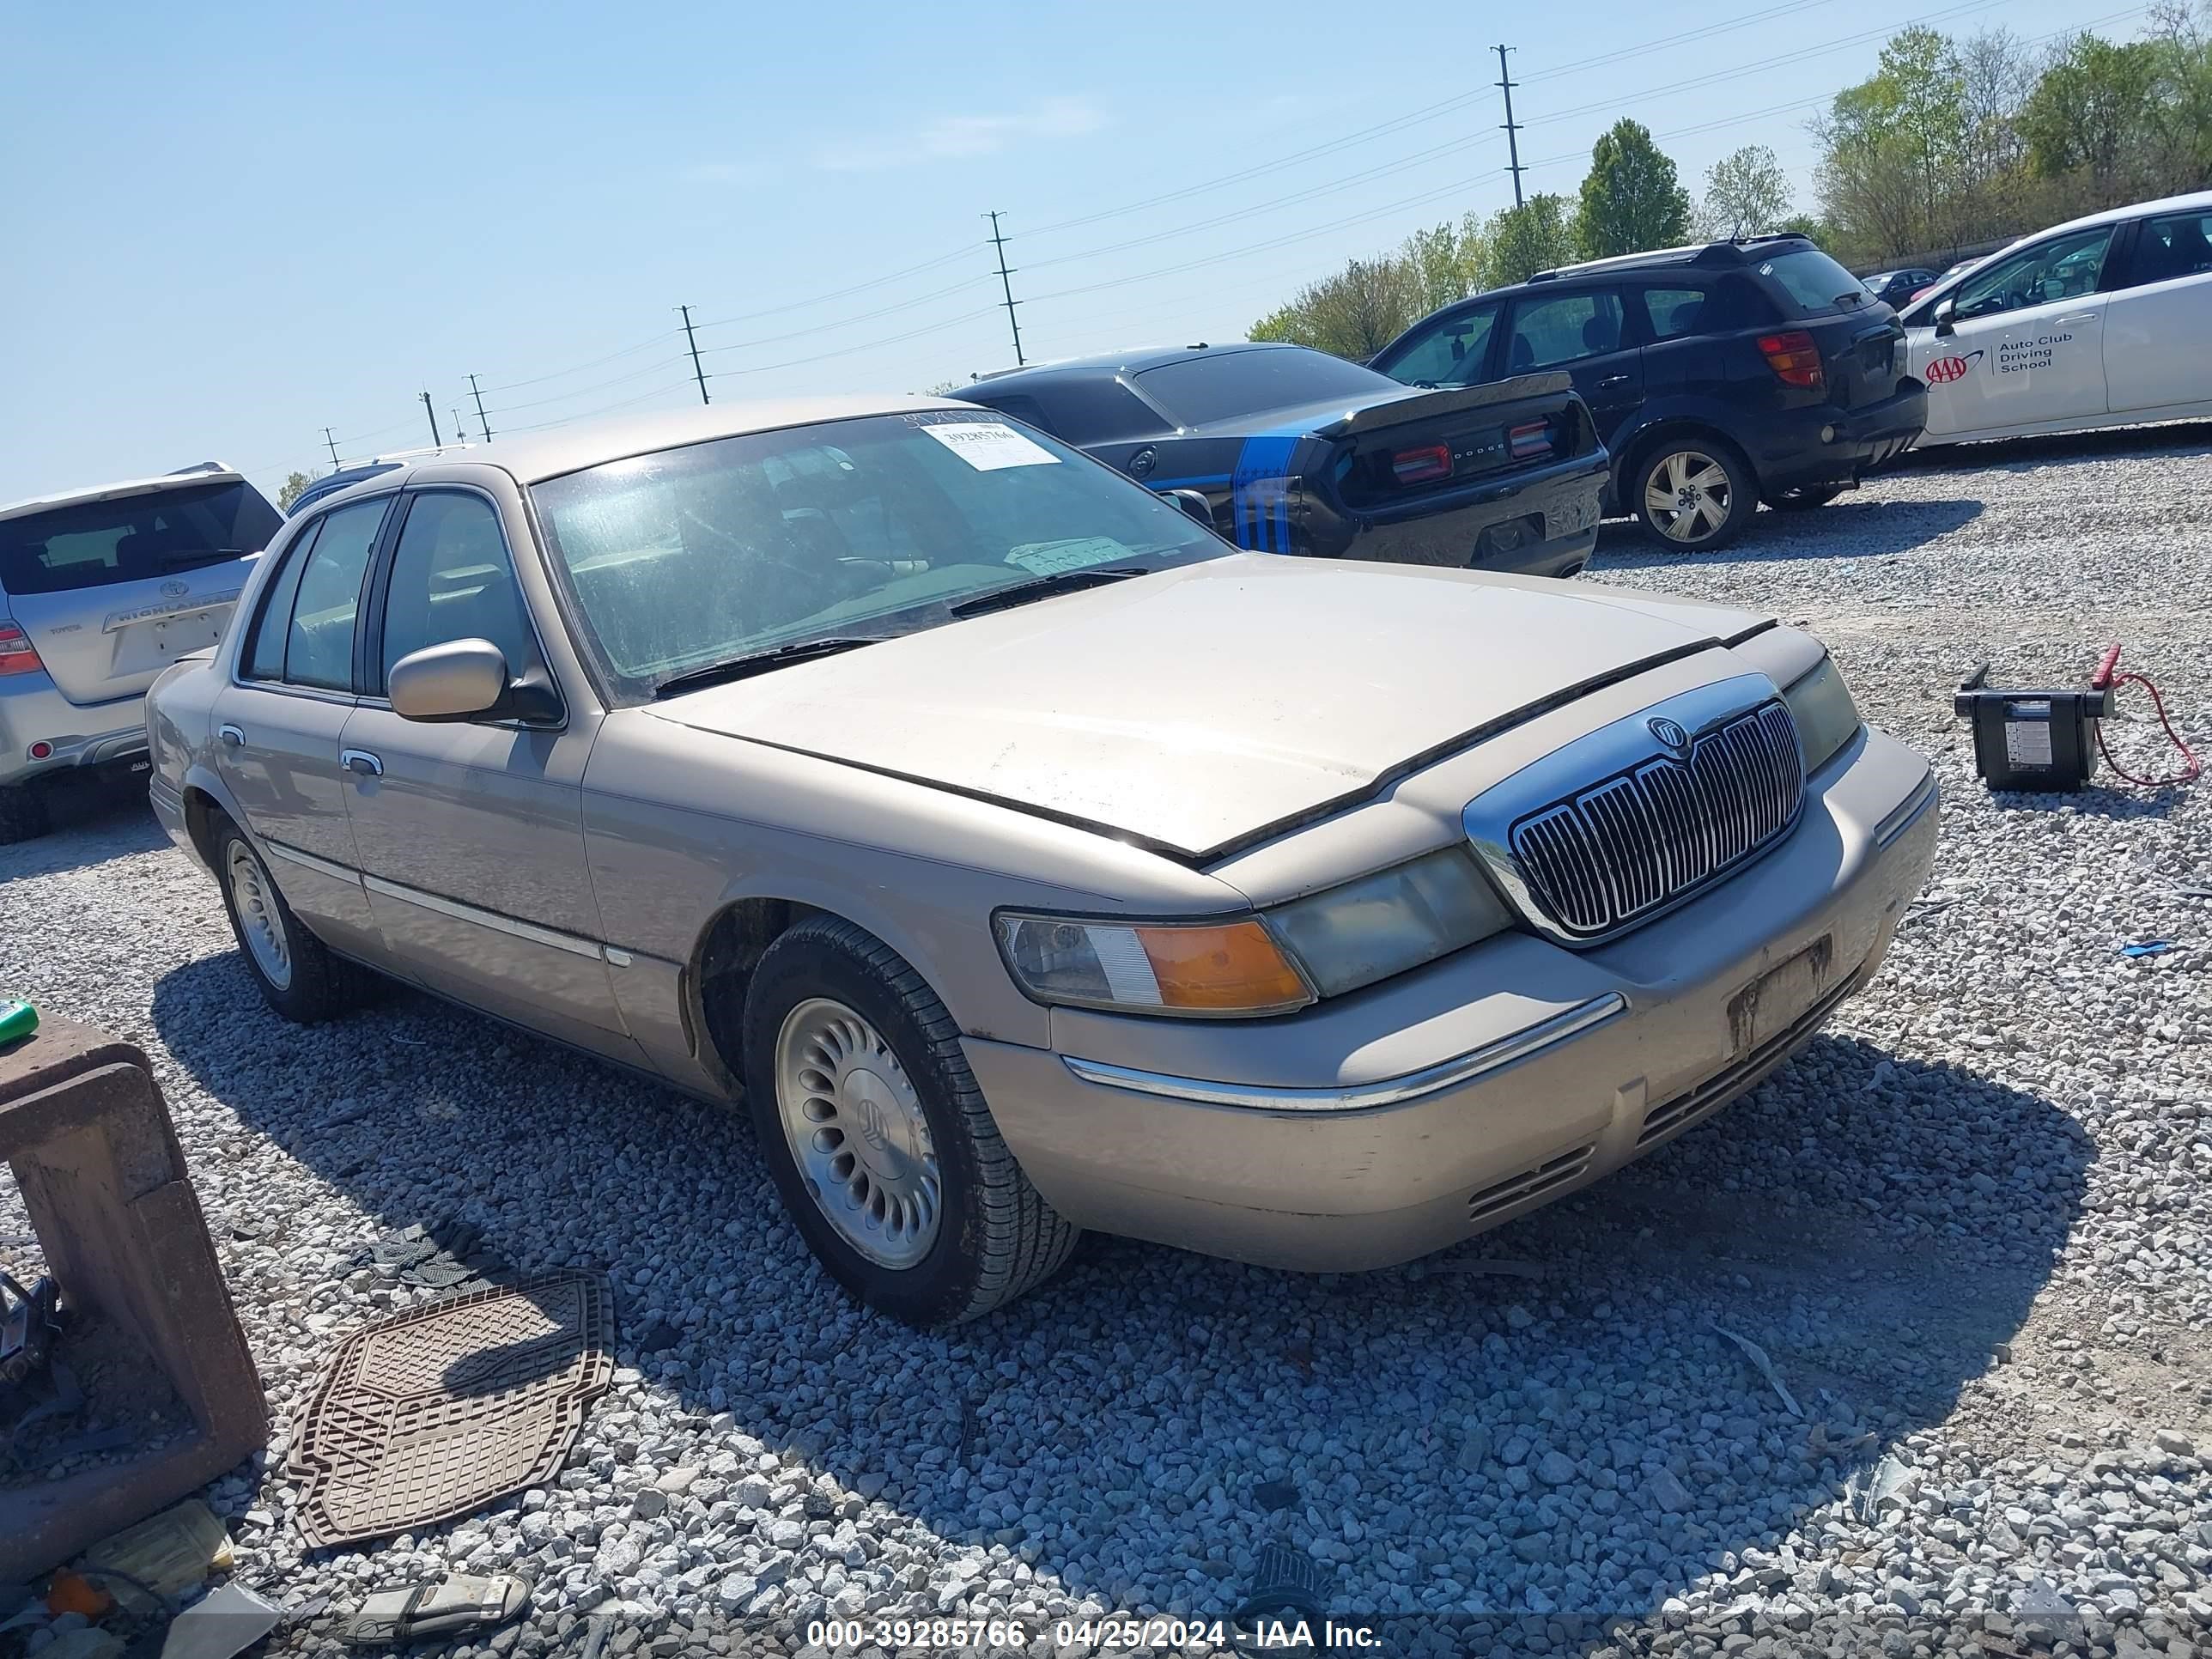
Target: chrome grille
{"x":1623,"y":848}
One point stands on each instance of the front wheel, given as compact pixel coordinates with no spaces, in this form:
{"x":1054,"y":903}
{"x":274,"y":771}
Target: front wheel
{"x":1693,"y":494}
{"x":878,"y":1138}
{"x":1803,"y":499}
{"x":298,"y":975}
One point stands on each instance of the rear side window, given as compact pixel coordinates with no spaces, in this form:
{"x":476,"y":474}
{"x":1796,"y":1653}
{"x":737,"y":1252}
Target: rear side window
{"x":136,"y":538}
{"x":1675,"y":311}
{"x":318,"y":643}
{"x":1025,"y":410}
{"x":1232,"y":384}
{"x":2174,"y":245}
{"x":1449,"y":351}
{"x":1563,"y":328}
{"x":264,"y":652}
{"x":452,"y":579}
{"x":1815,"y":281}
{"x":1083,"y":412}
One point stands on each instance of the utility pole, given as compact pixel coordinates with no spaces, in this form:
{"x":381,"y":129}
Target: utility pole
{"x":435,"y":440}
{"x":1512,"y":143}
{"x":460,"y":432}
{"x":693,"y":341}
{"x":333,"y":443}
{"x":1005,"y":287}
{"x":479,"y":396}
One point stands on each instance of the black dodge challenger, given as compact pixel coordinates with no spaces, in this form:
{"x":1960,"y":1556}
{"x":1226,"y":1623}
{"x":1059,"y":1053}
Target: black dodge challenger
{"x":1298,"y":451}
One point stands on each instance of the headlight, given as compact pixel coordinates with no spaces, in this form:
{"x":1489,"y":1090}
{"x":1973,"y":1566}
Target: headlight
{"x":1321,"y":946}
{"x":1821,"y":708}
{"x":1216,"y":968}
{"x":1385,"y":923}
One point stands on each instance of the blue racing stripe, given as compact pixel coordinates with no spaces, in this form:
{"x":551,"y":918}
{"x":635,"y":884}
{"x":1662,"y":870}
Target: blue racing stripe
{"x":1261,"y":489}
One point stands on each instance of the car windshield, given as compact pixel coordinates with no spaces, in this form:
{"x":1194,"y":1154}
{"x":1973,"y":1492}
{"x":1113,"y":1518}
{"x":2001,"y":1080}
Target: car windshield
{"x":1815,"y":281}
{"x":692,"y":557}
{"x":1199,"y":391}
{"x":133,"y":538}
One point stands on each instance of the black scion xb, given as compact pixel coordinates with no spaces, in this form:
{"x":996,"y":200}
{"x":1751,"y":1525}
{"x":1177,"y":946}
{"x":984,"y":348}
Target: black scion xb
{"x":1719,"y":376}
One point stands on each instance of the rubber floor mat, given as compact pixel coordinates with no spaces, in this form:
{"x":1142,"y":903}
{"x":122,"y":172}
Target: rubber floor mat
{"x":434,"y":1413}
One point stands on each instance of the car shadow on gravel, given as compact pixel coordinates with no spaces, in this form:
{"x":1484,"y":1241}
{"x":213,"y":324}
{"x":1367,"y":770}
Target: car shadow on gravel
{"x":2016,"y":454}
{"x":1847,"y":528}
{"x":92,"y":820}
{"x":1545,"y":1422}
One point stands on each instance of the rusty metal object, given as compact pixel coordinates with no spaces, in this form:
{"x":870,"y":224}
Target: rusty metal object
{"x":83,"y":1126}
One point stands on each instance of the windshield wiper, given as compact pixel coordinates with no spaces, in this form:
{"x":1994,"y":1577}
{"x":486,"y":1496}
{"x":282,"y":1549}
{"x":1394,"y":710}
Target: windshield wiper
{"x":1044,"y":587}
{"x":756,"y":662}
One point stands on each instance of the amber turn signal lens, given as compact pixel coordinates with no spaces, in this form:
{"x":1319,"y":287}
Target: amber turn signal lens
{"x":1236,"y":967}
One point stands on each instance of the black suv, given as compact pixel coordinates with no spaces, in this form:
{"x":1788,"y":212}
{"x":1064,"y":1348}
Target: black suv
{"x":1719,"y":376}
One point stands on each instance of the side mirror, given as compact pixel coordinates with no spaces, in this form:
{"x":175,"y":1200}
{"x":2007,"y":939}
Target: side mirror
{"x":467,"y":680}
{"x":1194,"y":504}
{"x":1946,"y":314}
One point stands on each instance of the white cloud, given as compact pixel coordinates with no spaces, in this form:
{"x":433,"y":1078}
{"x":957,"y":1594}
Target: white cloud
{"x":963,"y":138}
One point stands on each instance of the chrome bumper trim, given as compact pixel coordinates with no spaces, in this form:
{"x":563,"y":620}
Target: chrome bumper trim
{"x":1358,"y":1096}
{"x":277,"y":850}
{"x":1907,"y":812}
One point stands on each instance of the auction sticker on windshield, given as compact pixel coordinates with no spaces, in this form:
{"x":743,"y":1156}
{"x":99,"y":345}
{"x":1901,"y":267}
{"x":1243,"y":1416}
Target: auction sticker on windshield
{"x":986,"y":446}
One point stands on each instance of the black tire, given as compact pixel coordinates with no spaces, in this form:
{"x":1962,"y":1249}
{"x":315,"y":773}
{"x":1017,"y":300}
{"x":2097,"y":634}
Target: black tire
{"x":1804,"y":499}
{"x":1722,"y":507}
{"x":317,"y":984}
{"x":995,"y":1236}
{"x":23,"y":814}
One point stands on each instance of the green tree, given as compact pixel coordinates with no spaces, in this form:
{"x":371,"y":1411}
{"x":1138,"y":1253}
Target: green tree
{"x":1747,"y":191}
{"x":2094,"y":116}
{"x":1446,"y":263}
{"x":295,"y":486}
{"x":1354,"y":314}
{"x":1519,"y":241}
{"x":1631,"y":198}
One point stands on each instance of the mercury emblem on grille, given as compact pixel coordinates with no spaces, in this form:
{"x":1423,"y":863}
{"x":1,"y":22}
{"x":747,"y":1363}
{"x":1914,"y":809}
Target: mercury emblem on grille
{"x":1672,"y":737}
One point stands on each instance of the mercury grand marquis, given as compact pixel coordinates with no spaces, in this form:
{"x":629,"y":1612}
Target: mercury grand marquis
{"x":1023,"y":857}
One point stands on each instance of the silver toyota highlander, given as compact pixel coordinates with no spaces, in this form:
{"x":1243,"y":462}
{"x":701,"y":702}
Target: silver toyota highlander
{"x":1024,"y":857}
{"x":100,"y":590}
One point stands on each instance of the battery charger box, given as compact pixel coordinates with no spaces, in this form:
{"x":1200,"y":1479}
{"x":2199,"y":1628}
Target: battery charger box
{"x":2032,"y":740}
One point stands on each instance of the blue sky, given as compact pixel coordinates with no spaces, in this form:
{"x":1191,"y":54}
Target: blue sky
{"x":234,"y":226}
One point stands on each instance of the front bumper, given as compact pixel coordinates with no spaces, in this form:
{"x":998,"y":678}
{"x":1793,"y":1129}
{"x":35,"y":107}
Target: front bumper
{"x":1293,"y":1142}
{"x":1823,"y":445}
{"x":32,"y":710}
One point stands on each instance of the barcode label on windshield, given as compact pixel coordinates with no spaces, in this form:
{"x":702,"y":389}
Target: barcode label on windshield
{"x":986,"y":446}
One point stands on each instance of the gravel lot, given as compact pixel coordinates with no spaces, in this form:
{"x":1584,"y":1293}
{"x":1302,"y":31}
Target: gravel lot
{"x":1970,"y":1226}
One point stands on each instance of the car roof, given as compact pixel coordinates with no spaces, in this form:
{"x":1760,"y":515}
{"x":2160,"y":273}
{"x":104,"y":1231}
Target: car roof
{"x":1132,"y":360}
{"x":2199,"y":199}
{"x":205,"y":473}
{"x":532,"y":458}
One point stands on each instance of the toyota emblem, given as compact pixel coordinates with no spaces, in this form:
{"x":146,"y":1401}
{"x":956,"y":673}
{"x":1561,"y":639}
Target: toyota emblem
{"x":1672,"y":737}
{"x":175,"y":590}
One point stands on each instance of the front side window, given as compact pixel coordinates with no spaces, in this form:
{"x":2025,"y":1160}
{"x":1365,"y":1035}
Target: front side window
{"x":694,"y":557}
{"x":1565,"y":328}
{"x":156,"y":534}
{"x":1449,"y":352}
{"x":2174,"y":245}
{"x":318,"y":644}
{"x":2063,"y":268}
{"x":452,"y":579}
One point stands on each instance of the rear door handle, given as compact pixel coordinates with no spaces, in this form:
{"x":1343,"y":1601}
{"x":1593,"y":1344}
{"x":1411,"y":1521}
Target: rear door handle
{"x":231,"y":735}
{"x":360,"y":762}
{"x":1612,"y":380}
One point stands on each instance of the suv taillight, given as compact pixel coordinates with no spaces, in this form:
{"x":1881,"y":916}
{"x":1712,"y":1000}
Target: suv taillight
{"x":1413,"y":466}
{"x":17,"y":654}
{"x":1793,"y":358}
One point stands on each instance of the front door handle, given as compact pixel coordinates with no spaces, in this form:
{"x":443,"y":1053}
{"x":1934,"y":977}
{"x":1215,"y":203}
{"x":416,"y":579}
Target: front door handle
{"x":360,"y":762}
{"x":231,"y":735}
{"x":1612,"y":380}
{"x":2078,"y":316}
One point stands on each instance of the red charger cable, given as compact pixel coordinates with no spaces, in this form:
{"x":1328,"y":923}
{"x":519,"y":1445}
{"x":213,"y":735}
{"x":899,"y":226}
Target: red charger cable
{"x":2103,"y":680}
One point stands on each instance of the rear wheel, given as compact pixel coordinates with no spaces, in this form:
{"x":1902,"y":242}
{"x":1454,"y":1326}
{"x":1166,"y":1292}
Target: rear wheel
{"x":298,"y":975}
{"x":22,"y":814}
{"x":878,"y":1138}
{"x":1804,"y":499}
{"x":1693,"y":494}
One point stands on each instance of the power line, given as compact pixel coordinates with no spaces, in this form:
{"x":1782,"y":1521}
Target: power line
{"x":604,"y":409}
{"x":868,"y":345}
{"x":579,"y":368}
{"x":960,"y":253}
{"x":1512,"y":142}
{"x":960,"y":287}
{"x":1006,"y":284}
{"x":597,"y":386}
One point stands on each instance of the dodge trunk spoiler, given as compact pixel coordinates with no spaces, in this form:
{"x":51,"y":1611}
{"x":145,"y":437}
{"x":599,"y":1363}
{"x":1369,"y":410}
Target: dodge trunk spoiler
{"x":1445,"y":401}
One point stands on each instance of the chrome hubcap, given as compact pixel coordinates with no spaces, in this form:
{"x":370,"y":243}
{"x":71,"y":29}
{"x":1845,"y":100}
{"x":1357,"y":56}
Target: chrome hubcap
{"x":255,"y":901}
{"x":854,"y":1124}
{"x":1688,"y":496}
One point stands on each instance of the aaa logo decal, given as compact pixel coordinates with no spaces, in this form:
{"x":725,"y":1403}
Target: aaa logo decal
{"x":1944,"y":370}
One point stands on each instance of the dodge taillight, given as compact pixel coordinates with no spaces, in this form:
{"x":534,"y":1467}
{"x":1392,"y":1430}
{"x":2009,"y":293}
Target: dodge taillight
{"x":1529,"y":439}
{"x":1793,"y":358}
{"x":1413,"y":466}
{"x":17,"y":654}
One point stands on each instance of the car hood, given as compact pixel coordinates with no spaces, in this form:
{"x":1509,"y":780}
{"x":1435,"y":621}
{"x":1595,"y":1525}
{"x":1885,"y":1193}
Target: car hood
{"x":1195,"y":709}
